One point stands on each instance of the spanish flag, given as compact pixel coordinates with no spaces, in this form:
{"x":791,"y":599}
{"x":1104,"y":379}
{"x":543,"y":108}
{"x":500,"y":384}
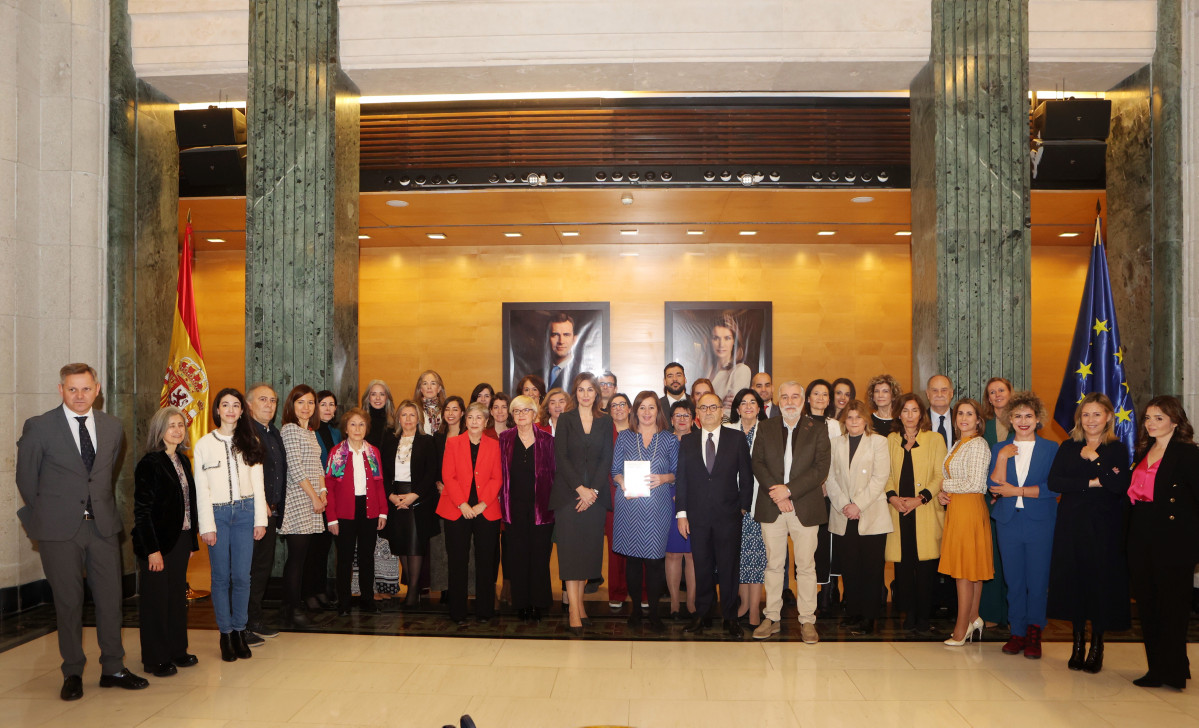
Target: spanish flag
{"x":186,"y":383}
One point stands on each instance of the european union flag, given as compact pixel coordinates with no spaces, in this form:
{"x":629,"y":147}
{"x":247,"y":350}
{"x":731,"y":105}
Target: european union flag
{"x":1096,"y":361}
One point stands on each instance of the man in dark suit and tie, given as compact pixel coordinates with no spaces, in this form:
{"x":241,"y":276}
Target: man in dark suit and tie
{"x":563,"y":366}
{"x":674,"y":387}
{"x":764,"y":386}
{"x":714,"y":487}
{"x":65,"y":462}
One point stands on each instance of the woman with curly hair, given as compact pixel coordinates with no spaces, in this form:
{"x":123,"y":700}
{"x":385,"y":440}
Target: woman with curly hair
{"x":881,"y":393}
{"x":1024,"y":516}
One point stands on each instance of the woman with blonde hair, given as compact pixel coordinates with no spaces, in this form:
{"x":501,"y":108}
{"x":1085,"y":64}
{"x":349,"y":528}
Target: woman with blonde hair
{"x":381,"y":406}
{"x":996,"y":395}
{"x":430,"y":395}
{"x":1088,"y":574}
{"x":966,"y":542}
{"x":553,"y":405}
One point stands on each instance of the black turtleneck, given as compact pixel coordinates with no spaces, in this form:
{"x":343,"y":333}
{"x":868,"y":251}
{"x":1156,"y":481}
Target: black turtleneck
{"x":378,"y":424}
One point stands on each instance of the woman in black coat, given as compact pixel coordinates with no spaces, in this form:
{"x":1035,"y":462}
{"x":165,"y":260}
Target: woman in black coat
{"x":410,"y":471}
{"x":1163,"y":538}
{"x":1088,"y":577}
{"x":164,"y":535}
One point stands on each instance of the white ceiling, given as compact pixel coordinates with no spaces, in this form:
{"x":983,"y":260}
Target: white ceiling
{"x":195,"y":51}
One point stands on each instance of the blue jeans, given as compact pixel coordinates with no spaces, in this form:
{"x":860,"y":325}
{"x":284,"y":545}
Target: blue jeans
{"x":229,"y":561}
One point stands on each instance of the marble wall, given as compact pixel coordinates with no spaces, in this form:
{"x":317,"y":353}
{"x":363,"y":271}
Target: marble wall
{"x":1167,"y":200}
{"x":1189,"y":37}
{"x":53,"y":74}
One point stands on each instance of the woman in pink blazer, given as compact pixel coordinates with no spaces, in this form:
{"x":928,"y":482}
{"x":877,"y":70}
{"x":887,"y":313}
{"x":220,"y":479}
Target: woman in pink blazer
{"x":356,"y":508}
{"x":470,"y":505}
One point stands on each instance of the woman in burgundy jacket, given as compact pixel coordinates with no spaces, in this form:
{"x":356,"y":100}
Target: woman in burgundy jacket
{"x":356,"y":508}
{"x":527,"y":464}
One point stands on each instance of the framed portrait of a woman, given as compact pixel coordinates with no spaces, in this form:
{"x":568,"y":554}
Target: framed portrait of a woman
{"x":726,"y":342}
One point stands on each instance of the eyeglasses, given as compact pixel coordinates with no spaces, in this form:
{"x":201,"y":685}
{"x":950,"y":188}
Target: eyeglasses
{"x":607,"y":385}
{"x":709,"y":407}
{"x":522,"y":411}
{"x":614,"y":405}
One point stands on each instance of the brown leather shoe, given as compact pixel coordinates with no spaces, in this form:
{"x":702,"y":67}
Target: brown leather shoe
{"x":809,"y":634}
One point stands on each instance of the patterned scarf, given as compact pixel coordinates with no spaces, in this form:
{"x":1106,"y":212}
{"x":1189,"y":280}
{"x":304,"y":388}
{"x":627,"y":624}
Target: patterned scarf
{"x":432,"y":415}
{"x":340,"y":457}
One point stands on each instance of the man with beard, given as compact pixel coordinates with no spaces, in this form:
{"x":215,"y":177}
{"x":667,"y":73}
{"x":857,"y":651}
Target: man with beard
{"x":607,"y":385}
{"x":791,"y":459}
{"x":674,"y":384}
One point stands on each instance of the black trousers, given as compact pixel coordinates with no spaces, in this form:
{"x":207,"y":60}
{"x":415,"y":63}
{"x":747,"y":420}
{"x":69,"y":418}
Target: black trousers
{"x":298,"y":547}
{"x":1161,"y":586}
{"x":261,"y":566}
{"x":316,"y":566}
{"x":162,"y":604}
{"x":914,"y":584}
{"x":459,"y":535}
{"x":862,"y":571}
{"x":357,"y":535}
{"x":653,"y":573}
{"x":716,"y":549}
{"x":527,"y":548}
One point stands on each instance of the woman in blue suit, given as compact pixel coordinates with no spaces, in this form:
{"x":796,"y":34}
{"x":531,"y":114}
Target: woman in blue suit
{"x":1024,"y":516}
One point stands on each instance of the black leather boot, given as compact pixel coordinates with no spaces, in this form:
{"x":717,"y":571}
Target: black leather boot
{"x":1095,"y":657}
{"x":227,"y":653}
{"x":240,"y":648}
{"x":1078,"y":656}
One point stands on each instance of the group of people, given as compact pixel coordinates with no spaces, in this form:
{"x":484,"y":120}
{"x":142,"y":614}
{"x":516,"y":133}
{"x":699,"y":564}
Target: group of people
{"x":683,"y":483}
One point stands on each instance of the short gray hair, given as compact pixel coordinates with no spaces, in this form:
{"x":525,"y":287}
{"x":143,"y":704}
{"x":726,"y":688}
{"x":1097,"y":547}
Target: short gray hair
{"x":158,"y":427}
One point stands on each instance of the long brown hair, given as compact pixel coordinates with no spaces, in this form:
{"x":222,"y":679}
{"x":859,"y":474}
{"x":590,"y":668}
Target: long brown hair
{"x":245,"y":440}
{"x":978,"y":410}
{"x":988,"y":411}
{"x":289,"y":407}
{"x":660,"y":421}
{"x":1172,"y":408}
{"x":902,"y":401}
{"x":573,"y":403}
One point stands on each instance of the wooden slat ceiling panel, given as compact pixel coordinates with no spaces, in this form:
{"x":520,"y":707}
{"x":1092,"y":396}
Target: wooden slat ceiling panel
{"x":585,"y":137}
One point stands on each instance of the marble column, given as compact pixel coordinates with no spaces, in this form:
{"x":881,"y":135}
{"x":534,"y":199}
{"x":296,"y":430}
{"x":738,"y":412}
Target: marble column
{"x":971,"y":261}
{"x":302,"y":202}
{"x":1189,"y":41}
{"x":143,"y":250}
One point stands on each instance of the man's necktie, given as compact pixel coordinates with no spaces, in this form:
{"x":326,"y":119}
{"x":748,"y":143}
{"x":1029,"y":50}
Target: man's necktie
{"x":555,"y":373}
{"x":941,"y":429}
{"x":710,"y":453}
{"x":88,"y":452}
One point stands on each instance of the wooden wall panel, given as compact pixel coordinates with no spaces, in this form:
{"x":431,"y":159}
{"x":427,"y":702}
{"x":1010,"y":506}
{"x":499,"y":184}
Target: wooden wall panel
{"x":838,"y":310}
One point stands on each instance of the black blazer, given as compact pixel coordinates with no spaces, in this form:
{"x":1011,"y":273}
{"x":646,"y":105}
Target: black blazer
{"x":727,"y":490}
{"x":158,"y":504}
{"x":426,"y":468}
{"x":1175,"y":506}
{"x":582,"y":459}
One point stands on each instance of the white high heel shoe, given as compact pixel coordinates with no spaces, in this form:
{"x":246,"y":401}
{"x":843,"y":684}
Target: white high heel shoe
{"x":976,"y":627}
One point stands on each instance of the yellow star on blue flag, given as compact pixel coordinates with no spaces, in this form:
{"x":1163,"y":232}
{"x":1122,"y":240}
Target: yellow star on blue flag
{"x":1084,"y":369}
{"x":1119,"y":355}
{"x":1100,"y":326}
{"x":1123,"y":415}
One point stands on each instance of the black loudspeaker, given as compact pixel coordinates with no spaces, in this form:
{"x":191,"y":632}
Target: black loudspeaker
{"x":1073,"y":161}
{"x":220,"y":168}
{"x":1072,"y":119}
{"x":210,"y":127}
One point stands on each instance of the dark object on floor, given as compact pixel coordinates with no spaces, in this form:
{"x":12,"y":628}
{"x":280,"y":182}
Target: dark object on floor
{"x":238,"y":640}
{"x":697,"y":626}
{"x":252,"y":640}
{"x":789,"y":597}
{"x":227,"y":653}
{"x":1014,"y":646}
{"x":1094,"y":661}
{"x":72,"y":688}
{"x":593,"y":585}
{"x":1078,"y":656}
{"x":733,"y":629}
{"x":186,"y":660}
{"x":124,"y":679}
{"x":466,"y":722}
{"x":262,"y":630}
{"x":166,"y":669}
{"x":1032,"y":642}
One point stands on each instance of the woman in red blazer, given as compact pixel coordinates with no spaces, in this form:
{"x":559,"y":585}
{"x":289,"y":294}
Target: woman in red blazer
{"x":470,"y":505}
{"x":356,"y":508}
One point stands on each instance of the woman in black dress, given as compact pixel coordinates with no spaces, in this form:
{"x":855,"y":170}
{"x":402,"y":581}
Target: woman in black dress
{"x":164,"y":535}
{"x":1088,"y":576}
{"x":581,"y":495}
{"x":881,"y":393}
{"x":381,"y":406}
{"x":410,"y":476}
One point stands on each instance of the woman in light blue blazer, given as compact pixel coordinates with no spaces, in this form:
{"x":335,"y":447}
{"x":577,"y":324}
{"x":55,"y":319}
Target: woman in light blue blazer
{"x":1024,"y":516}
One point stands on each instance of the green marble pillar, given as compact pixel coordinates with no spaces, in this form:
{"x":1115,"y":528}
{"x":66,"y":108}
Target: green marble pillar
{"x":1167,"y":104}
{"x":301,"y":201}
{"x":971,"y":262}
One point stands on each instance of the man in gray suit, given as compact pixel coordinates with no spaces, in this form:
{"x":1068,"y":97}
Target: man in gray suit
{"x":65,"y":462}
{"x":765,"y":389}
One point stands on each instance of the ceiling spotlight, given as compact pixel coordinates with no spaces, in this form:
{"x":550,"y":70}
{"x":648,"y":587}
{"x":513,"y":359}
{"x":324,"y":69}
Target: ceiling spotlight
{"x":436,"y":180}
{"x":558,"y":176}
{"x":364,"y":237}
{"x":826,"y":233}
{"x":1068,"y":235}
{"x":397,"y":203}
{"x":493,"y":178}
{"x":667,"y":175}
{"x":746,"y":178}
{"x":695,"y":232}
{"x":850,"y":176}
{"x":618,"y":176}
{"x":775,"y":177}
{"x":536,"y":180}
{"x":904,"y":234}
{"x":601,"y":176}
{"x":748,"y":232}
{"x":726,"y":175}
{"x":650,"y":176}
{"x":215,"y":240}
{"x":628,"y":232}
{"x":833,"y":176}
{"x":626,"y":198}
{"x":883,"y":176}
{"x":634,"y":176}
{"x":405,"y":181}
{"x":861,"y":199}
{"x":388,"y":181}
{"x":817,"y":176}
{"x":509,"y":177}
{"x":511,"y":235}
{"x":629,"y":255}
{"x":709,"y":175}
{"x":452,"y":179}
{"x":420,"y":180}
{"x":570,"y":233}
{"x":866,"y":176}
{"x":435,"y":236}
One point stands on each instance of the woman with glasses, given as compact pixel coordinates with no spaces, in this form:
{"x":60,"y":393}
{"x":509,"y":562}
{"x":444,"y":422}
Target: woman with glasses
{"x":747,"y":412}
{"x":527,"y":467}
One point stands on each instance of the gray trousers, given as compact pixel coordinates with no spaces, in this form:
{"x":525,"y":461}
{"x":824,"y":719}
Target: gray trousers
{"x":65,"y":564}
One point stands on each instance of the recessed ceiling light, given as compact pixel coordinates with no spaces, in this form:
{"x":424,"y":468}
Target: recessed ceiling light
{"x":904,"y":233}
{"x":862,"y":199}
{"x":511,"y":235}
{"x":628,"y":232}
{"x":748,"y":232}
{"x":629,"y":255}
{"x":570,"y":233}
{"x":1068,"y":235}
{"x":364,"y":237}
{"x":216,"y":240}
{"x":826,"y":233}
{"x":435,"y":236}
{"x":397,"y":203}
{"x":695,"y":232}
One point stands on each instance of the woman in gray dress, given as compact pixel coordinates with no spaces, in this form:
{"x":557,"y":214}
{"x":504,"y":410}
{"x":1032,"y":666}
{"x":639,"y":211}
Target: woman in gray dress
{"x":581,"y":495}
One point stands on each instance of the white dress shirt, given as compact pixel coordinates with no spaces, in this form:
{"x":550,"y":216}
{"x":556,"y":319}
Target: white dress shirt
{"x":1023,"y":460}
{"x":90,"y":424}
{"x":936,"y":422}
{"x":703,"y":448}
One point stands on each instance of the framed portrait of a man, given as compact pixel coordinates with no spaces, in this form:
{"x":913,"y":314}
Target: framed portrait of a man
{"x":726,"y":342}
{"x":555,"y":341}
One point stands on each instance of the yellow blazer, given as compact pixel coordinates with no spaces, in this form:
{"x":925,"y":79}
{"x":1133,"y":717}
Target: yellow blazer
{"x":927,"y":460}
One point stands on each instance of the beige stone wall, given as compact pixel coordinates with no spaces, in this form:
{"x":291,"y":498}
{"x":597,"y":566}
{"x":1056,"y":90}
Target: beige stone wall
{"x":54,"y":79}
